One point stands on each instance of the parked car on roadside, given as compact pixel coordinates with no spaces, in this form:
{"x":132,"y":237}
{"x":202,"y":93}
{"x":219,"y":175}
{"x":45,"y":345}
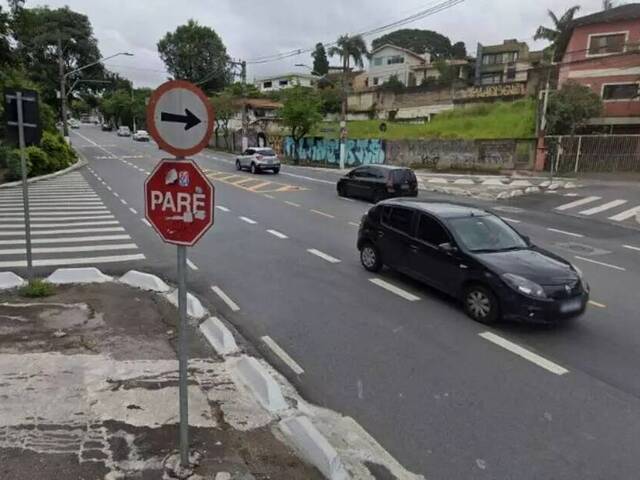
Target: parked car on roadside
{"x":106,"y":127}
{"x":141,"y":136}
{"x":124,"y":132}
{"x":258,"y":159}
{"x":73,"y":123}
{"x":377,"y":182}
{"x":474,"y":256}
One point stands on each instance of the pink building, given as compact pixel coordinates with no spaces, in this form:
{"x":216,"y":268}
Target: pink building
{"x":603,"y":53}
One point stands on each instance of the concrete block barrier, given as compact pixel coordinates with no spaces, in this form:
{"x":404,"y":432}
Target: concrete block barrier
{"x":64,"y":276}
{"x":9,"y":280}
{"x":219,"y":336}
{"x":255,"y":377}
{"x":194,"y":307}
{"x":144,"y":281}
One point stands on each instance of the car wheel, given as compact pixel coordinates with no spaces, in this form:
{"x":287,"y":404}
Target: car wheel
{"x":238,"y":166}
{"x":342,"y":191}
{"x":370,"y":258}
{"x":254,"y":169}
{"x":481,"y":304}
{"x":276,"y":170}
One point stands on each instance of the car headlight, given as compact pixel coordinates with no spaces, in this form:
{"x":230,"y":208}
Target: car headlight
{"x":524,"y":285}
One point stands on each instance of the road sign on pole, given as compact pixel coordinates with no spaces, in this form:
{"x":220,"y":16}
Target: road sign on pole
{"x":180,"y":118}
{"x":179,"y":199}
{"x":23,"y":128}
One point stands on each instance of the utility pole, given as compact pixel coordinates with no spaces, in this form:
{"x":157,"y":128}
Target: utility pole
{"x":63,"y":92}
{"x":245,"y":119}
{"x":343,"y":117}
{"x":133,"y":115}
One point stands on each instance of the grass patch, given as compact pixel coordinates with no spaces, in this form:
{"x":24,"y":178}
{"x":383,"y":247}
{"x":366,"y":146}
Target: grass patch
{"x":485,"y":121}
{"x":37,"y":289}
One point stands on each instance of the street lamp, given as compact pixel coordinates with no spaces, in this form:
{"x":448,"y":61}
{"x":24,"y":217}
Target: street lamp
{"x":64,"y":76}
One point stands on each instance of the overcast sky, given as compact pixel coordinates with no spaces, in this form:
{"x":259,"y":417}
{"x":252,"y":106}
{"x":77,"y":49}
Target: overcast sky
{"x":257,"y":28}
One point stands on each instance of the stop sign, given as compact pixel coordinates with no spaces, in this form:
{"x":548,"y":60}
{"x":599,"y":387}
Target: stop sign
{"x":179,"y":201}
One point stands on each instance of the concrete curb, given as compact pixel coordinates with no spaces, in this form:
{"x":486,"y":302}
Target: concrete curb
{"x":219,"y":336}
{"x":313,"y":447}
{"x":79,"y":164}
{"x":64,"y":276}
{"x":194,"y":307}
{"x":144,"y":281}
{"x":256,"y":378}
{"x":9,"y":281}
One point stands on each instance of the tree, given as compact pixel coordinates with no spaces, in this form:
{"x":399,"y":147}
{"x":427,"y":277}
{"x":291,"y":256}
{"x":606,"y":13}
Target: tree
{"x":196,"y":53}
{"x":320,"y":62}
{"x":5,"y":44}
{"x":348,"y":49}
{"x":393,"y":84}
{"x":331,"y":100}
{"x":560,"y":34}
{"x":300,"y":113}
{"x":422,"y":41}
{"x":225,"y":107}
{"x":571,"y":107}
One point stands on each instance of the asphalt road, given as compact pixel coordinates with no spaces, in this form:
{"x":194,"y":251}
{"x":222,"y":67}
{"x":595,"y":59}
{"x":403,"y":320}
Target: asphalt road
{"x":447,"y":397}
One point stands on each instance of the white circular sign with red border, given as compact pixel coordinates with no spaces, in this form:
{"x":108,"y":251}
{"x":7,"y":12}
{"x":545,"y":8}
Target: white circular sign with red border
{"x":180,"y":118}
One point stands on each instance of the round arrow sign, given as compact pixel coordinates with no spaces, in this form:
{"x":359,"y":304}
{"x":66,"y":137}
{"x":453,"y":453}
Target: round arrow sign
{"x":180,"y":118}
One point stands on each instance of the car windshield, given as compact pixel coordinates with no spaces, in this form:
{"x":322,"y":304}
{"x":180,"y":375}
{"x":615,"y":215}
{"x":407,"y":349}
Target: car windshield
{"x":486,"y":233}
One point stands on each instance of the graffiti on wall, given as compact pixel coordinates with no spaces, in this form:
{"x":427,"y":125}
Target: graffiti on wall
{"x":327,"y":151}
{"x":492,"y":91}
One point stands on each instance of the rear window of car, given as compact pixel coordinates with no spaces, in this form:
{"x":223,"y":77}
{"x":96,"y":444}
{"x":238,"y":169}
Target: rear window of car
{"x":267,"y":152}
{"x":403,"y":176}
{"x":398,"y":218}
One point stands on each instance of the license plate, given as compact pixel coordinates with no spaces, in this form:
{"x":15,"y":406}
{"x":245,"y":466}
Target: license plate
{"x":269,"y":162}
{"x":571,"y":306}
{"x":404,"y":187}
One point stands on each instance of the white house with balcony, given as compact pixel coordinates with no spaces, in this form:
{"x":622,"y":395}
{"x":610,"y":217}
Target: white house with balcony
{"x":389,"y":60}
{"x":287,"y":80}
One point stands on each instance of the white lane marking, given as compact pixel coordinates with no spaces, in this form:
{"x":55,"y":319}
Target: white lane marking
{"x":225,"y":298}
{"x":354,"y":224}
{"x":578,"y":203}
{"x":224,"y":209}
{"x":67,"y":209}
{"x":146,"y":222}
{"x":394,"y":289}
{"x":46,"y":241}
{"x":323,"y":255}
{"x":282,"y":355}
{"x":42,"y":197}
{"x":58,"y":215}
{"x":524,"y":353}
{"x":627,"y":214}
{"x":18,"y":222}
{"x":64,"y":231}
{"x":510,"y":220}
{"x":109,"y":188}
{"x":192,"y":265}
{"x":248,"y":220}
{"x":292,"y":203}
{"x":311,"y":179}
{"x":269,"y":196}
{"x":328,"y":215}
{"x":276,"y":233}
{"x":133,"y":210}
{"x":32,"y":205}
{"x":571,"y":195}
{"x":596,"y":304}
{"x":116,"y":194}
{"x":124,"y":202}
{"x":347,"y":199}
{"x":74,"y":261}
{"x":604,"y":207}
{"x":631,"y":247}
{"x":615,"y":267}
{"x":35,"y":226}
{"x":564,"y":232}
{"x":77,"y":249}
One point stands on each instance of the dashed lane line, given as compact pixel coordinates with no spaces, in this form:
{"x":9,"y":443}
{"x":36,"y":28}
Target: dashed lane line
{"x":192,"y":265}
{"x":323,"y":255}
{"x":318,"y":212}
{"x":394,"y":289}
{"x":146,"y":222}
{"x":631,"y":247}
{"x":224,"y":209}
{"x":608,"y":265}
{"x":354,"y":224}
{"x":225,"y":298}
{"x":524,"y":353}
{"x":293,"y":204}
{"x":133,"y":210}
{"x":564,"y":232}
{"x":282,"y":355}
{"x":276,"y":233}
{"x":248,"y":220}
{"x":596,"y":304}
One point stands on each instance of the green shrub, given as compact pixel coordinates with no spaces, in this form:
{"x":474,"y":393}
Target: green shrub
{"x":39,"y":160}
{"x":60,"y":154}
{"x":14,"y":167}
{"x":37,"y":288}
{"x":4,"y":155}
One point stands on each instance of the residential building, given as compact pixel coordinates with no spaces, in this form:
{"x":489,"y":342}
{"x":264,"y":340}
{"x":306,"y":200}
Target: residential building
{"x":509,"y":62}
{"x":259,"y":110}
{"x":388,"y":60}
{"x":288,"y":80}
{"x":602,"y":53}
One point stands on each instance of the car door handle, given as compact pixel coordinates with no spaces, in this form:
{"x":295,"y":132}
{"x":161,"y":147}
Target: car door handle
{"x":380,"y":234}
{"x":414,"y":248}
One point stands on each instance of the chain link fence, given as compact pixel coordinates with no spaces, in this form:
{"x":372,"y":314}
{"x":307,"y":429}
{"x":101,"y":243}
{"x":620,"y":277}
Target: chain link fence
{"x":592,"y":153}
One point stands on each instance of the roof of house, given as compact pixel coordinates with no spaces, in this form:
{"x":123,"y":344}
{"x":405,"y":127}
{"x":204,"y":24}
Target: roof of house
{"x":629,"y":11}
{"x":390,"y":45}
{"x":288,"y":75}
{"x":265,"y":103}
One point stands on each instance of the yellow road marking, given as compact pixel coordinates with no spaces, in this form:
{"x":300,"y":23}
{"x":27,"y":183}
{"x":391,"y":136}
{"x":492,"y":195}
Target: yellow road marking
{"x":248,"y":183}
{"x":246,"y":180}
{"x":259,"y":186}
{"x":596,"y":304}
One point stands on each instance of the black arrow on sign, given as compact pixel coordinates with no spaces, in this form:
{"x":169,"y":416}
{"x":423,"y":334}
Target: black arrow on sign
{"x":189,"y":119}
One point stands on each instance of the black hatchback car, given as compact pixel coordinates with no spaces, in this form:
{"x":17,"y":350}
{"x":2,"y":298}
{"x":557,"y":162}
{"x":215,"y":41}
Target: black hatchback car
{"x":377,"y":182}
{"x":474,"y":256}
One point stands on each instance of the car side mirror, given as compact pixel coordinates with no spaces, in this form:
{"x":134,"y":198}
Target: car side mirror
{"x":447,"y":248}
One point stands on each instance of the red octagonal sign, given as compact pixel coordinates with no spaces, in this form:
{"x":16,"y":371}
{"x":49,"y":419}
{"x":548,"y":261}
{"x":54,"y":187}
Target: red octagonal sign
{"x":179,"y":201}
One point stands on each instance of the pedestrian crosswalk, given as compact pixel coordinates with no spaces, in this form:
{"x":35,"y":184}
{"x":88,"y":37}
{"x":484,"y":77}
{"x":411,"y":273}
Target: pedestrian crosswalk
{"x":70,"y":226}
{"x":616,"y":210}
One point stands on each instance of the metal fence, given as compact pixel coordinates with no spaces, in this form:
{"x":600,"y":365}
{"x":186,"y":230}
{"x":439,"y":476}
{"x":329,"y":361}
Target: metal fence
{"x":593,"y":153}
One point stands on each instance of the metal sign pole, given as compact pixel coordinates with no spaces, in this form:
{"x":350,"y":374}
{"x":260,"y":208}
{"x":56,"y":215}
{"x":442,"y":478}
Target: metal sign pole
{"x":25,"y":186}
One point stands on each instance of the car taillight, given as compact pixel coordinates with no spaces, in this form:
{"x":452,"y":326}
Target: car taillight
{"x":258,"y":157}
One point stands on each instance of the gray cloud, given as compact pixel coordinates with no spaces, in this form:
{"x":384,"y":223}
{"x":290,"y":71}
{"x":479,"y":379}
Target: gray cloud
{"x":255,"y":28}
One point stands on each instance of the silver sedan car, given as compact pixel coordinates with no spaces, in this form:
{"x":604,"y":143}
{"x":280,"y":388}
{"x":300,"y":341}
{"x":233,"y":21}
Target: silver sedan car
{"x":258,"y":159}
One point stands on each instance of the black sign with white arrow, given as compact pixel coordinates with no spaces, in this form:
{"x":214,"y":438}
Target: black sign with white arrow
{"x":189,"y":119}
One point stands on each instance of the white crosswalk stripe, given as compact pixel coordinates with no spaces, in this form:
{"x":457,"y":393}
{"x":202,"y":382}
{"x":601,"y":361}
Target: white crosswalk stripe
{"x":615,"y":210}
{"x":603,"y":208}
{"x":70,"y":226}
{"x":578,"y":203}
{"x":626,"y":215}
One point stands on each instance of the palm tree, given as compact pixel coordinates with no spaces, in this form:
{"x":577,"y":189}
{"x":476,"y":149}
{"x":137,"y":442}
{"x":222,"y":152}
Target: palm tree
{"x":348,"y":48}
{"x":559,"y":34}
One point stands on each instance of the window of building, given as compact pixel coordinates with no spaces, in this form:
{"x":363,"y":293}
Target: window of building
{"x":283,"y":83}
{"x":430,"y":231}
{"x":376,"y":80}
{"x":511,"y":73}
{"x":491,"y":79}
{"x":267,"y":84}
{"x":395,"y":59}
{"x":498,"y":58}
{"x":607,"y":44}
{"x":377,"y":61}
{"x":620,"y":91}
